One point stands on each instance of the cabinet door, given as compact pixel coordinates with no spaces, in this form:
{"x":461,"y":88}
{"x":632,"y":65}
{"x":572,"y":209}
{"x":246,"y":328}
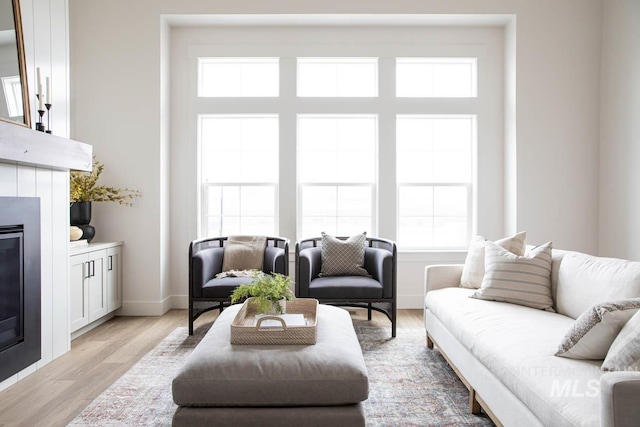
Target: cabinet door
{"x":79,"y":298}
{"x":114,"y":278}
{"x":97,"y":285}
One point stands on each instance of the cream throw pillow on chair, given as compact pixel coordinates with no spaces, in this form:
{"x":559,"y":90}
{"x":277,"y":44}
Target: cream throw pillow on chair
{"x":473,"y":270}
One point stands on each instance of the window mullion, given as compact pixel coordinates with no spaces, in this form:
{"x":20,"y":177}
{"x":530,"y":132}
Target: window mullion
{"x":386,"y":158}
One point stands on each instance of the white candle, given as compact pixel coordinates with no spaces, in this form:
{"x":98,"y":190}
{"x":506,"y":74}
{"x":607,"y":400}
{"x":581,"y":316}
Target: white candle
{"x":40,"y":96}
{"x":39,"y":82}
{"x":48,"y":92}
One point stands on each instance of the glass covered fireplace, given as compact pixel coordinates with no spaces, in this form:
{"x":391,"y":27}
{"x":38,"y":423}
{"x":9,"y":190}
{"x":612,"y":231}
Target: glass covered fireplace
{"x":20,"y":314}
{"x":11,"y":286}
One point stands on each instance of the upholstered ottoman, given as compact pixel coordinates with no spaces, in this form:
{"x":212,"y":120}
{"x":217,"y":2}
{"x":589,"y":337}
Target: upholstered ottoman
{"x":313,"y":385}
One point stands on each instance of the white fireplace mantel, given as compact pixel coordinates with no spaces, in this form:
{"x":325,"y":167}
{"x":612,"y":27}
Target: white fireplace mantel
{"x":29,"y":147}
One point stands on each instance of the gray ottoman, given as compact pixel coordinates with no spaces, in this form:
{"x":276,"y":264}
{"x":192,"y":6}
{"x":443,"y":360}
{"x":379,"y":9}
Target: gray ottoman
{"x":314,"y":385}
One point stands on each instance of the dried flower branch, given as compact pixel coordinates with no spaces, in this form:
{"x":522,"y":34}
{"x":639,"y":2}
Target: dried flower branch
{"x":84,"y":188}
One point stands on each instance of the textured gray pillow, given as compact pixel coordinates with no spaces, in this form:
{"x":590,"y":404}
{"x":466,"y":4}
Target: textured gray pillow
{"x":594,"y":330}
{"x":343,"y":257}
{"x":624,"y":354}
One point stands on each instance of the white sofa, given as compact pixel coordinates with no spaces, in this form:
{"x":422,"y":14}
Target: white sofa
{"x":504,"y":353}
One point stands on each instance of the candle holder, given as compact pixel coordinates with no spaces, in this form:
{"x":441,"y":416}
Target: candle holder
{"x":40,"y":123}
{"x":48,"y":107}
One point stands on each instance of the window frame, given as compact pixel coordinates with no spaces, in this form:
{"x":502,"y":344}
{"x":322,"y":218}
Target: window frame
{"x":488,"y":191}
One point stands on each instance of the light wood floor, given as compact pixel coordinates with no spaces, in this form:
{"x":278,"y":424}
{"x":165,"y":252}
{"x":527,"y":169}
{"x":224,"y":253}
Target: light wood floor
{"x":55,"y":394}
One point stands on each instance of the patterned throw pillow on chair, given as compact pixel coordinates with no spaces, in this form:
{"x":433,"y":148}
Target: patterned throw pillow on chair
{"x":343,"y":257}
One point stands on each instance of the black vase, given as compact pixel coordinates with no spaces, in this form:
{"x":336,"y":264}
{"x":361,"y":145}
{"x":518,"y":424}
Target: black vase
{"x":80,"y":213}
{"x":80,"y":216}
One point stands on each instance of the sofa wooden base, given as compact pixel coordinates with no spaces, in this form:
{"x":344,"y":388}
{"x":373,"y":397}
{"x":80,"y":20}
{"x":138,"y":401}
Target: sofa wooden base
{"x":476,"y":404}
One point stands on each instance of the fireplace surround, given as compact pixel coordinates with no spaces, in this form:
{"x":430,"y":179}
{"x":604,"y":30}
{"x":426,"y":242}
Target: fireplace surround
{"x":20,"y":307}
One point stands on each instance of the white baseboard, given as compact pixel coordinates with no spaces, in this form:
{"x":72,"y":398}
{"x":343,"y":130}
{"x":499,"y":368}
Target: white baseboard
{"x":179,"y":302}
{"x":145,"y":308}
{"x":410,"y":302}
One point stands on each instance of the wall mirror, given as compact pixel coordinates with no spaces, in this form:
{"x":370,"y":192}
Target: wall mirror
{"x":14,"y":94}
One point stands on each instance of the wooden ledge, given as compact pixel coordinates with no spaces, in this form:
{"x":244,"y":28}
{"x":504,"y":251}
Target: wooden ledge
{"x":22,"y":145}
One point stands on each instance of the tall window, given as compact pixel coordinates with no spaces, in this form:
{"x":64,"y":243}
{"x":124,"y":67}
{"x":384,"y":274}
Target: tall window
{"x":314,"y":138}
{"x":434,"y":155}
{"x":336,"y":173}
{"x":434,"y":165}
{"x":239,"y":174}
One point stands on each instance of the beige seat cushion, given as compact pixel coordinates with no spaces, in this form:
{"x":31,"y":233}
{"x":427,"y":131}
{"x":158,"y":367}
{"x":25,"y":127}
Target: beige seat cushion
{"x":517,"y":344}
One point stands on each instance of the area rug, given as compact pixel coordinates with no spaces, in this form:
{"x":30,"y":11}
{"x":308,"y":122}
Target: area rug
{"x":409,"y":384}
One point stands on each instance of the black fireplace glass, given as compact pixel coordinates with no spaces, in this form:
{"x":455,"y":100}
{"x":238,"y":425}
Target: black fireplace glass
{"x":11,"y":287}
{"x":20,"y":290}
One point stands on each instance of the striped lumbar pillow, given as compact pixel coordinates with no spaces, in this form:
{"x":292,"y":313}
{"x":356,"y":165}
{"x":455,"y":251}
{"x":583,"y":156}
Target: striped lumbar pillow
{"x":524,"y":280}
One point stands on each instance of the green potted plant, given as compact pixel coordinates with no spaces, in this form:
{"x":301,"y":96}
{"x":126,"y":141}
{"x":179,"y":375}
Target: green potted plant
{"x":84,"y":189}
{"x":268,"y":292}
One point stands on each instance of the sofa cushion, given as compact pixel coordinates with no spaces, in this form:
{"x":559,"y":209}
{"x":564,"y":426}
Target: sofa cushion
{"x":343,"y":257}
{"x":473,"y":270}
{"x":585,"y":280}
{"x":524,"y":280}
{"x":517,"y":344}
{"x":624,"y":354}
{"x":592,"y":333}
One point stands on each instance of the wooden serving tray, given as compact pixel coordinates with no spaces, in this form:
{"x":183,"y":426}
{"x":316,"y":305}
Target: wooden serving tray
{"x":245,"y":331}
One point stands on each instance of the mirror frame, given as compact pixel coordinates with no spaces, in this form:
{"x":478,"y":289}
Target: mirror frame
{"x":22,"y":65}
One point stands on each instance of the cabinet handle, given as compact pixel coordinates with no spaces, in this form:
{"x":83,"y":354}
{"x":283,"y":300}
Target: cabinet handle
{"x":93,"y":268}
{"x":110,"y":263}
{"x":88,"y":270}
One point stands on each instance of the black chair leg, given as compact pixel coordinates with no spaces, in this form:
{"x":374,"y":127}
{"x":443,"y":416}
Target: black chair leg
{"x":369,"y":311}
{"x":393,"y":321}
{"x":190,"y":318}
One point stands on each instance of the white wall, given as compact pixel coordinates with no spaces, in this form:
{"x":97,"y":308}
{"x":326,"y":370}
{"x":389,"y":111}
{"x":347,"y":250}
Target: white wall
{"x":117,"y":106}
{"x":45,"y":35}
{"x":620,"y":131}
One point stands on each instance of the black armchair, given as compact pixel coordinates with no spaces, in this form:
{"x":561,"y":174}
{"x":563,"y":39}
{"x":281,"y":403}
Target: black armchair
{"x":206,"y":292}
{"x":377,"y":292}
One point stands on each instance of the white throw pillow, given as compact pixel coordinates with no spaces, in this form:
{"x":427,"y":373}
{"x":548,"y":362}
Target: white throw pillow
{"x":624,"y":354}
{"x":473,"y":270}
{"x":592,"y":333}
{"x":523,"y":280}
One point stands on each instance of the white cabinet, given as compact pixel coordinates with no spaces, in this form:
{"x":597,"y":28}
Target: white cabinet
{"x":95,"y":282}
{"x":114,"y":278}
